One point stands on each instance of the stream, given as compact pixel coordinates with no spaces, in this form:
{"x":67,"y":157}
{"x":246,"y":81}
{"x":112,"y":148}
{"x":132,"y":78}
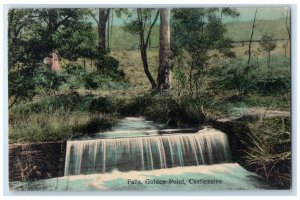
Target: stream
{"x":141,"y":155}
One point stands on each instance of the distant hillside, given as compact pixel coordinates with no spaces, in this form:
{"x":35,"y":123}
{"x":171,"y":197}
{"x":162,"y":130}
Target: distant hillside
{"x":235,"y":30}
{"x":242,"y":30}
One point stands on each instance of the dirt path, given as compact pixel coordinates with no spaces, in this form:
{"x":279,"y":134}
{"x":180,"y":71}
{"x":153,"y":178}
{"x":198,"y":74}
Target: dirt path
{"x":256,"y":112}
{"x":262,"y":112}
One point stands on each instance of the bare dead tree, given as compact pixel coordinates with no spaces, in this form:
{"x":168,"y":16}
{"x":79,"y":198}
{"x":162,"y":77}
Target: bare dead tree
{"x":250,"y":41}
{"x":287,"y":23}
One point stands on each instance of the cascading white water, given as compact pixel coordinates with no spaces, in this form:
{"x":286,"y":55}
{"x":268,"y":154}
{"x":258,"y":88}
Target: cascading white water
{"x":207,"y":146}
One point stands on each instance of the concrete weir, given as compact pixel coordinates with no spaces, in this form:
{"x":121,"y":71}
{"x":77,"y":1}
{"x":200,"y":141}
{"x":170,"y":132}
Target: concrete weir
{"x":34,"y":161}
{"x":166,"y":148}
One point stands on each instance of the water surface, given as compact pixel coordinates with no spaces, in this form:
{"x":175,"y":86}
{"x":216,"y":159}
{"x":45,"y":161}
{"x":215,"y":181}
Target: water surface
{"x":230,"y":176}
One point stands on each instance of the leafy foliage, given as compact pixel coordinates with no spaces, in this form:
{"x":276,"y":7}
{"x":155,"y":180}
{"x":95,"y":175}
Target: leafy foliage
{"x":267,"y":42}
{"x":236,"y":76}
{"x":33,"y":34}
{"x":194,"y":33}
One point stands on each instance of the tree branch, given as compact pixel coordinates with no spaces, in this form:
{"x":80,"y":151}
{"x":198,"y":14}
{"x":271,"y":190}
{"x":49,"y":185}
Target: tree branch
{"x":250,"y":41}
{"x":94,"y":17}
{"x":151,"y":26}
{"x":62,"y":22}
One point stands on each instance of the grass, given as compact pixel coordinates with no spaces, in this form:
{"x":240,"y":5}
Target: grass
{"x":42,"y":127}
{"x":237,"y":31}
{"x":131,"y":97}
{"x":223,"y":106}
{"x":132,"y":100}
{"x":121,"y":39}
{"x":131,"y":64}
{"x":270,"y":152}
{"x":73,"y":112}
{"x":242,"y":30}
{"x":60,"y":117}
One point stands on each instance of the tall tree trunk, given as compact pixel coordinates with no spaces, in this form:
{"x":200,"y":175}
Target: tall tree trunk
{"x":250,"y":41}
{"x":144,"y":41}
{"x":164,"y":71}
{"x":190,"y":81}
{"x":269,"y":58}
{"x":52,"y":20}
{"x":146,"y":67}
{"x":103,"y":17}
{"x":111,"y":28}
{"x":108,"y":35}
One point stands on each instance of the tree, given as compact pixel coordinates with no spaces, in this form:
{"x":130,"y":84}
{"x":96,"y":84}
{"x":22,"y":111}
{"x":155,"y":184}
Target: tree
{"x":33,"y":34}
{"x":21,"y":65}
{"x":268,"y":43}
{"x":288,"y":23}
{"x":232,"y":12}
{"x":142,"y":21}
{"x":164,"y":71}
{"x":194,"y":33}
{"x":103,"y":17}
{"x":251,"y":36}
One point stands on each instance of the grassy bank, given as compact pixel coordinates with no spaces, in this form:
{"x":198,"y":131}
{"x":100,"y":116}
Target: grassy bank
{"x":269,"y":153}
{"x":52,"y":116}
{"x":70,"y":115}
{"x":56,"y":126}
{"x":59,"y":117}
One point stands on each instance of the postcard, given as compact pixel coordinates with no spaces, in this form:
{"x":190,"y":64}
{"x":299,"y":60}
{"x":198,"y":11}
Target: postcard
{"x":160,"y":99}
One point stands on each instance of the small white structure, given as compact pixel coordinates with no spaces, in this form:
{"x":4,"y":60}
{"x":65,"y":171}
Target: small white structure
{"x":52,"y":61}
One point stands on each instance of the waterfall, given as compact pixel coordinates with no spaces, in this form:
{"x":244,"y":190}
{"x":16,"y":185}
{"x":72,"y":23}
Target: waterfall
{"x":207,"y":146}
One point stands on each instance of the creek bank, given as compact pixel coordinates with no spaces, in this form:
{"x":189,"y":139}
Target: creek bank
{"x":261,"y":144}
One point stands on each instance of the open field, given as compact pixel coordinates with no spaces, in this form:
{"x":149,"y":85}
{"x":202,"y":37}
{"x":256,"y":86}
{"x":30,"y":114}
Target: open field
{"x":237,"y":31}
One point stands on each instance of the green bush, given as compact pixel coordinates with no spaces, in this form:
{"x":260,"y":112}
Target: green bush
{"x":236,"y":75}
{"x":47,"y":80}
{"x":55,"y":103}
{"x":135,"y":106}
{"x":108,"y":65}
{"x":75,"y":75}
{"x":103,"y":105}
{"x":163,"y":109}
{"x":95,"y":124}
{"x":109,"y":77}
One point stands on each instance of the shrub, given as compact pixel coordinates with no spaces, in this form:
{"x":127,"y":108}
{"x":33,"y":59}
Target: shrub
{"x":75,"y":75}
{"x":95,"y":124}
{"x":103,"y":105}
{"x":167,"y":110}
{"x":163,"y":109}
{"x":46,"y":80}
{"x":245,"y":79}
{"x":135,"y":106}
{"x":55,"y":103}
{"x":108,"y":65}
